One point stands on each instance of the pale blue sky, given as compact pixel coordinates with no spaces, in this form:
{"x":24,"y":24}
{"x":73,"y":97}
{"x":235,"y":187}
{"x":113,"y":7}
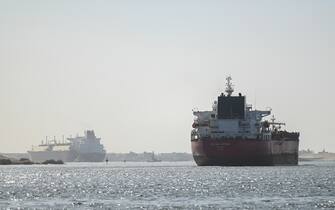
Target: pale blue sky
{"x":133,"y":70}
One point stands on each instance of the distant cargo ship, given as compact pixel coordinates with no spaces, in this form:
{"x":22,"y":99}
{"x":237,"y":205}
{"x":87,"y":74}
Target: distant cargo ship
{"x":233,"y":134}
{"x":79,"y":149}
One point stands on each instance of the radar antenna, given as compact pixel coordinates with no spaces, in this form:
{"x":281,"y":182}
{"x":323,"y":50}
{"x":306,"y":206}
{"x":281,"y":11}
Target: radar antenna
{"x":229,"y":88}
{"x":273,"y":119}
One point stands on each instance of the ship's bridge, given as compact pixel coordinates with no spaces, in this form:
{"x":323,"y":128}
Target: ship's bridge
{"x":230,"y":117}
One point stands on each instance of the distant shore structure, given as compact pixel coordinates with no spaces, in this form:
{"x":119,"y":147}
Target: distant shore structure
{"x":177,"y":156}
{"x":85,"y":148}
{"x":154,"y":158}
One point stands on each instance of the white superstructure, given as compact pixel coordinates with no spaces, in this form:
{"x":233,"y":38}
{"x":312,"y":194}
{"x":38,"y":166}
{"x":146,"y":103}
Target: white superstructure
{"x":241,"y":122}
{"x":87,"y":144}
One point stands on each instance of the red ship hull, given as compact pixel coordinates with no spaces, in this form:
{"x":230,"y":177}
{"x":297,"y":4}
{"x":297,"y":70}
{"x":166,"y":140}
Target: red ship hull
{"x":245,"y":152}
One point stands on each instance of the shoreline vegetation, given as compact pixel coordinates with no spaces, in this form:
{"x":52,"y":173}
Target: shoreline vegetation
{"x":25,"y":161}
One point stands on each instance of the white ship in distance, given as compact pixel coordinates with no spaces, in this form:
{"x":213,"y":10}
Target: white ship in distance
{"x":85,"y":148}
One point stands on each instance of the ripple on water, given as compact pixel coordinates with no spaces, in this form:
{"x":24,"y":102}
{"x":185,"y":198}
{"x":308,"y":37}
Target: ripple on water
{"x":167,"y":185}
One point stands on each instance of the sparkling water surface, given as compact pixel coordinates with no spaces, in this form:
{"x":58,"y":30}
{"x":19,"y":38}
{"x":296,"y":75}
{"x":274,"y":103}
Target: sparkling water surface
{"x":168,"y":185}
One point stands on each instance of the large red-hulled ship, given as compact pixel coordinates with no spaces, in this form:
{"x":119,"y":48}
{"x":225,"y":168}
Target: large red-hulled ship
{"x":233,"y":134}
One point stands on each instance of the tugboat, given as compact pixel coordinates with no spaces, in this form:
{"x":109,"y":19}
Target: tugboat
{"x":233,"y":134}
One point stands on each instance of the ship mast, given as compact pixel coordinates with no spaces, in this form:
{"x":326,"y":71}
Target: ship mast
{"x":229,"y":88}
{"x":273,"y":123}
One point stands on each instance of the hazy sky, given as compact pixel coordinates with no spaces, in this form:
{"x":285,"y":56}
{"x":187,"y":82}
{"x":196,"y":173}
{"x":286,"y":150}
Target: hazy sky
{"x":133,"y":70}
